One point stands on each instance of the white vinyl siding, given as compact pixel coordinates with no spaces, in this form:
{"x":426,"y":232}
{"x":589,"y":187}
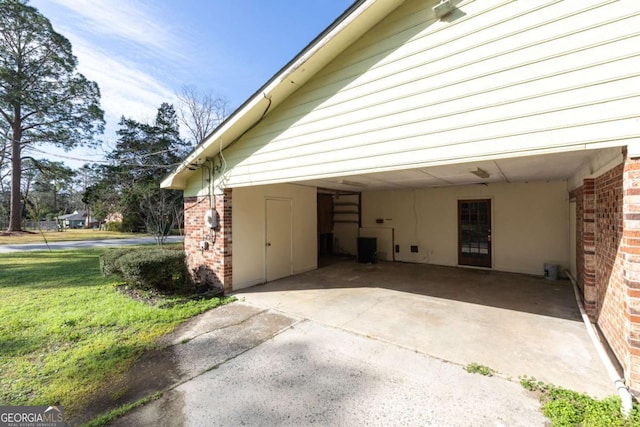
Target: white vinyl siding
{"x":497,"y":78}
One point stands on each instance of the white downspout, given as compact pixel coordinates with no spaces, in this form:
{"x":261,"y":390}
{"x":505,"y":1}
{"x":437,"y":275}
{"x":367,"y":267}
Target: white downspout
{"x":623,"y":392}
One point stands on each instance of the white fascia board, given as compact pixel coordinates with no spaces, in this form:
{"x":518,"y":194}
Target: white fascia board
{"x":633,"y":149}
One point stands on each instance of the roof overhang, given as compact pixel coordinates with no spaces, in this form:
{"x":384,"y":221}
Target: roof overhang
{"x":361,"y":16}
{"x":570,"y":165}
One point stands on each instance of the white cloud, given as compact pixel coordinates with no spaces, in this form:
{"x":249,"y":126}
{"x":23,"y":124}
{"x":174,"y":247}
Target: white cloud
{"x":119,"y":44}
{"x":137,"y":57}
{"x":127,"y":20}
{"x":126,"y":89}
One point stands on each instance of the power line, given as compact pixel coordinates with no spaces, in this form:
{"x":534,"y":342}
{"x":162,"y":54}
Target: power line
{"x":108,"y":162}
{"x":63,"y":156}
{"x":105,"y":162}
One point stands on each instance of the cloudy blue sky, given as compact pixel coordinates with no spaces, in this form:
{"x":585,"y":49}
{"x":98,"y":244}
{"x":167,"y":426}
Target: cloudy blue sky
{"x":140,"y":52}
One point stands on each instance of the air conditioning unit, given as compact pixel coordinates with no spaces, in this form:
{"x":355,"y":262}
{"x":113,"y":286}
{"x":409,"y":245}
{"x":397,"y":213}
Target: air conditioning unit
{"x":442,"y":8}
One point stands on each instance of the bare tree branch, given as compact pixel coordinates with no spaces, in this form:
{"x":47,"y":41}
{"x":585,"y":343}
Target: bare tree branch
{"x":201,"y":112}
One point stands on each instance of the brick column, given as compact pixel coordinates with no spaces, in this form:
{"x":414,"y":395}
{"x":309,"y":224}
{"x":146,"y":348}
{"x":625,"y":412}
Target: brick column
{"x":576,"y":196}
{"x":589,"y":247}
{"x":225,"y":268}
{"x":209,"y":251}
{"x":630,"y":249}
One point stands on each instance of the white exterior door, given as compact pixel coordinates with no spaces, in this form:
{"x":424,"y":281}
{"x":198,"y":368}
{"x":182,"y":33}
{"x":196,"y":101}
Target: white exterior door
{"x":278,"y":242}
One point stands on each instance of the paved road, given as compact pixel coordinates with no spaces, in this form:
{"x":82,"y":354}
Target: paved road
{"x":83,"y":244}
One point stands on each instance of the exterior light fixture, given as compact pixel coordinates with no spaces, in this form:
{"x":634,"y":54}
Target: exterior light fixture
{"x":351,"y":183}
{"x":480,"y":173}
{"x":442,"y":8}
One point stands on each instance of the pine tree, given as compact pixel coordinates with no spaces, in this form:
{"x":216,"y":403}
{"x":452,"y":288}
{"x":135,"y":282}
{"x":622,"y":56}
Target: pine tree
{"x":43,"y":99}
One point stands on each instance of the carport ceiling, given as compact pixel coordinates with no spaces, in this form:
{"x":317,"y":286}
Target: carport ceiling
{"x":547,"y":167}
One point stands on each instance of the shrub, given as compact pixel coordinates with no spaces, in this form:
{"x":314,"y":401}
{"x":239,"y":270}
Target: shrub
{"x":114,"y":226}
{"x":109,"y":261}
{"x":570,"y":408}
{"x":161,"y":269}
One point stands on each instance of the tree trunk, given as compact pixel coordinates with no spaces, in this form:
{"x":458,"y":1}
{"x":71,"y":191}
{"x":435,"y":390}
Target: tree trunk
{"x":15,"y":207}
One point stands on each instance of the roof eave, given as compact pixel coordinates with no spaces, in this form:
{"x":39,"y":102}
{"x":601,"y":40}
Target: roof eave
{"x":351,"y":25}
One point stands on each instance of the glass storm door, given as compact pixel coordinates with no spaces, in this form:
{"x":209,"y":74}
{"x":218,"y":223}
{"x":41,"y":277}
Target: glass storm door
{"x":474,"y":232}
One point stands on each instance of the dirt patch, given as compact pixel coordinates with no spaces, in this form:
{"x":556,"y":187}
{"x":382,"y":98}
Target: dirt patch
{"x":162,"y":300}
{"x":15,"y":233}
{"x":153,"y":298}
{"x":199,"y":345}
{"x":154,"y":371}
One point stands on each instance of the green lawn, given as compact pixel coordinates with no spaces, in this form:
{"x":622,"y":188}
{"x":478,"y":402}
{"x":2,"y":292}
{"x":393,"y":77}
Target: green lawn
{"x":65,"y":330}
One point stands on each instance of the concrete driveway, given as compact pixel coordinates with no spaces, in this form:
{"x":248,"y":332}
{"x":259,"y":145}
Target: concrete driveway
{"x":513,"y":323}
{"x":242,"y":365}
{"x":385,"y":344}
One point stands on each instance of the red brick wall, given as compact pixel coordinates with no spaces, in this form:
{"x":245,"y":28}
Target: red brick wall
{"x":610,"y":288}
{"x":577,"y":196}
{"x":585,"y":199}
{"x":630,"y":250}
{"x":589,"y":246}
{"x":209,"y":252}
{"x":608,"y":254}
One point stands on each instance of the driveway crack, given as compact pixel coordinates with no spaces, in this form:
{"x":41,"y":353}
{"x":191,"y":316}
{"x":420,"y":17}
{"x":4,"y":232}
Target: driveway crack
{"x":228,"y":359}
{"x":221,"y":328}
{"x":378,"y":302}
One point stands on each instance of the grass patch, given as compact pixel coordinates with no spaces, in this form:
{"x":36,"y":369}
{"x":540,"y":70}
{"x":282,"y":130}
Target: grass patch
{"x":475,"y":368}
{"x":65,"y":329}
{"x":567,"y":408}
{"x":105,"y":419}
{"x":68,"y":235}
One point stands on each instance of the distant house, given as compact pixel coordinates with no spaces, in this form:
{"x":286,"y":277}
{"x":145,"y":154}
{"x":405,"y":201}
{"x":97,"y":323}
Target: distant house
{"x":77,"y":219}
{"x":504,"y":135}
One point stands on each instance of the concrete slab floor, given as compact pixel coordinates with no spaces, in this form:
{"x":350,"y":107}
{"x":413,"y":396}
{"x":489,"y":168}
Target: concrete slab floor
{"x":513,"y":323}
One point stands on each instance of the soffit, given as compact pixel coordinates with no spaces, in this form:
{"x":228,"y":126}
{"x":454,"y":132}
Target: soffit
{"x":546,"y":167}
